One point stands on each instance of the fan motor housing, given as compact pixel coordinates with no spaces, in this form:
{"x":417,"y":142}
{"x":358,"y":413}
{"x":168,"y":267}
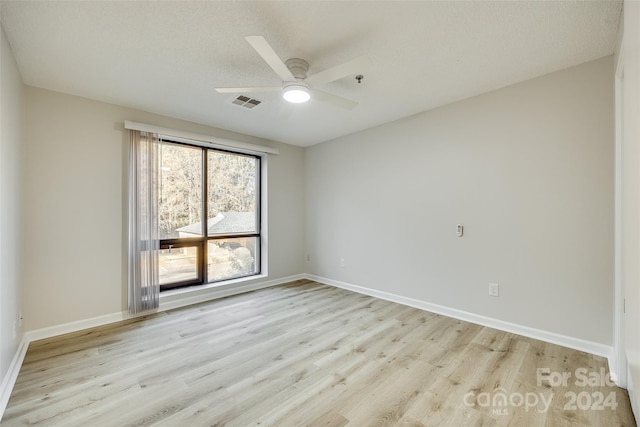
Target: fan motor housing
{"x":298,"y":67}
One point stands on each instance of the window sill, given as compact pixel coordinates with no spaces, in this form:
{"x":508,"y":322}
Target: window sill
{"x":192,"y":295}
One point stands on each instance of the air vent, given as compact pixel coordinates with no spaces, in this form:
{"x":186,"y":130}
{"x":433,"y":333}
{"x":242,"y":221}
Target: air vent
{"x":246,"y":102}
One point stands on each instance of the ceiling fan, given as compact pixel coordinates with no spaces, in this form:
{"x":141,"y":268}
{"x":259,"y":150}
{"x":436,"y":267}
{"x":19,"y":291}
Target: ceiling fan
{"x":296,"y":86}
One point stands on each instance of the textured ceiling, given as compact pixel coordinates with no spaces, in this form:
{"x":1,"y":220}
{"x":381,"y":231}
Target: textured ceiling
{"x":167,"y":57}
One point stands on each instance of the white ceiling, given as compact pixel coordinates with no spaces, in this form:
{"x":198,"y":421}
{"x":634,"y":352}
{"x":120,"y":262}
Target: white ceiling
{"x":167,"y":57}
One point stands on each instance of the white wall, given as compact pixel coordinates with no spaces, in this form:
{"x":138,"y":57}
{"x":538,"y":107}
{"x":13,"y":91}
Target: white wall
{"x":629,"y":247}
{"x":75,"y":206}
{"x":11,"y":89}
{"x":528,"y":170}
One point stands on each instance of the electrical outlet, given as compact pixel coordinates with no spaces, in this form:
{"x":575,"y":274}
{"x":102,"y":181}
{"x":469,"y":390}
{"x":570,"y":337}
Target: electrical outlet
{"x":308,"y":257}
{"x":342,"y":262}
{"x":494,"y":290}
{"x":20,"y":318}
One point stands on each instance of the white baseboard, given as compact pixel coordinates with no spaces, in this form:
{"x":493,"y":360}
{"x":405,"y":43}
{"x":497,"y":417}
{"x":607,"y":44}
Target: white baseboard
{"x":551,"y":337}
{"x":632,"y":396}
{"x":616,"y":375}
{"x":613,"y":369}
{"x":176,"y":301}
{"x":66,"y":328}
{"x":12,"y":374}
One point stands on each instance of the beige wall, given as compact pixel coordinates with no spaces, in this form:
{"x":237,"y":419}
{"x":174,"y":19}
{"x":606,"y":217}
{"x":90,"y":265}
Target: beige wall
{"x":11,"y":95}
{"x":528,"y":170}
{"x":75,"y":206}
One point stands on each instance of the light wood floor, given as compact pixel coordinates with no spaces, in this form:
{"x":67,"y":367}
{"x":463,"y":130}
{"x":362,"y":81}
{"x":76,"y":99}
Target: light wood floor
{"x":305,"y":354}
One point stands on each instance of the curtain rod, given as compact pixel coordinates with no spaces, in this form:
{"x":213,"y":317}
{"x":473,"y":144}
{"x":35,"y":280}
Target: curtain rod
{"x":220,"y":142}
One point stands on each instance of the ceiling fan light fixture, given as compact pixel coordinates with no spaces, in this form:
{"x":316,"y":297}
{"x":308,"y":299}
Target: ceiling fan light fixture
{"x":296,"y":93}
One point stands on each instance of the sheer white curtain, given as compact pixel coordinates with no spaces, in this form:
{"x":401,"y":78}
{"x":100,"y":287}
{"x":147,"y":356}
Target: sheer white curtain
{"x":144,"y":286}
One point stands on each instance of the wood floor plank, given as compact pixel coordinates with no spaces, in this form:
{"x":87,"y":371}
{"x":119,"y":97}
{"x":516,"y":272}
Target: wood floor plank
{"x":304,"y":354}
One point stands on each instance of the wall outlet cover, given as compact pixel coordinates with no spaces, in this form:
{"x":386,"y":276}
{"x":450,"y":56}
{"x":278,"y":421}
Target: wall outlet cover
{"x":494,"y":289}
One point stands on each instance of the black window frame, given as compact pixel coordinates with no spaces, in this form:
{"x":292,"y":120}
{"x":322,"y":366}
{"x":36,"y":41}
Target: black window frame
{"x":201,"y":242}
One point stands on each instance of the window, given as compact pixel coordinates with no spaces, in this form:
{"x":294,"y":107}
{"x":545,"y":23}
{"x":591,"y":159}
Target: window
{"x":208,"y":214}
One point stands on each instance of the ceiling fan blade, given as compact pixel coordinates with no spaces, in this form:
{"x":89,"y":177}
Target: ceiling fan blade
{"x":268,"y":54}
{"x":355,"y":66}
{"x":333,"y":99}
{"x":248,"y":89}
